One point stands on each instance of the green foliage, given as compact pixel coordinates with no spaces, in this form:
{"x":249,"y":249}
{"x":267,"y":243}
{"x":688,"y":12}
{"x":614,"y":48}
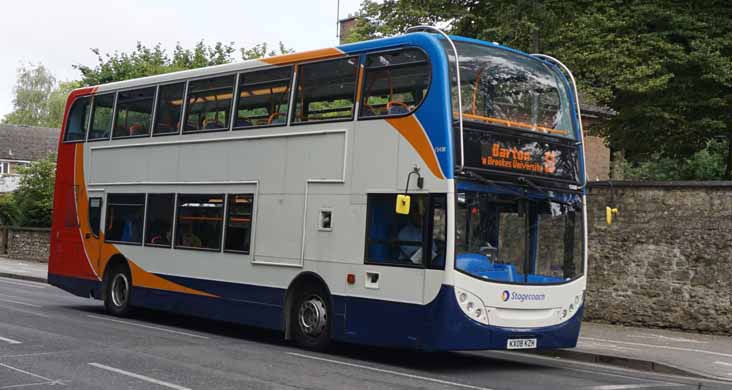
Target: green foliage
{"x":706,"y":164}
{"x":39,"y":99}
{"x":34,"y":84}
{"x":147,"y":61}
{"x":664,"y":66}
{"x":261,"y":50}
{"x":56,"y":103}
{"x":9,"y":213}
{"x":34,"y":196}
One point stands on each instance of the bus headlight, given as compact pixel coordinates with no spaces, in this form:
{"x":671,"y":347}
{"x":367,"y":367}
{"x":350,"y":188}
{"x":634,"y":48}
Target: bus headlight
{"x":472,"y":306}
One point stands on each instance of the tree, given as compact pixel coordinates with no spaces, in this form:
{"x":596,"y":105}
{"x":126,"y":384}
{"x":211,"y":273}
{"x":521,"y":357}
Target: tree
{"x":56,"y":103}
{"x":664,"y":66}
{"x":148,"y":61}
{"x":34,"y":196}
{"x":34,"y":84}
{"x":260,"y":50}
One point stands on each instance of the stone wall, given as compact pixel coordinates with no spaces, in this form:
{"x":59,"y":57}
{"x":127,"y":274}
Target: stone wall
{"x":666,"y":261}
{"x":26,"y":243}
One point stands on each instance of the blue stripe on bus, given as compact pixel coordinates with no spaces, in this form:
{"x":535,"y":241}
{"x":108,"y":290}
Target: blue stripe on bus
{"x":435,"y":112}
{"x":439,"y":325}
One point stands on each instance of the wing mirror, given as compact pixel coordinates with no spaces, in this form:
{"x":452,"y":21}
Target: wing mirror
{"x":403,"y":201}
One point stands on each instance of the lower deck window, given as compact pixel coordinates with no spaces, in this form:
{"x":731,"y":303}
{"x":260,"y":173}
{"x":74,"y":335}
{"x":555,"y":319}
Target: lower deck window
{"x":200,"y":221}
{"x":239,"y":223}
{"x":124,"y":218}
{"x":159,"y":225}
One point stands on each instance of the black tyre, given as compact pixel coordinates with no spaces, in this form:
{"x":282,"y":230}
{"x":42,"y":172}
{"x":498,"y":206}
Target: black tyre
{"x":118,"y":290}
{"x":311,"y":318}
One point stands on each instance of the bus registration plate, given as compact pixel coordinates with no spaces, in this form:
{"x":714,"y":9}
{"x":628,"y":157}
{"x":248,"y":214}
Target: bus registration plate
{"x":521,"y":344}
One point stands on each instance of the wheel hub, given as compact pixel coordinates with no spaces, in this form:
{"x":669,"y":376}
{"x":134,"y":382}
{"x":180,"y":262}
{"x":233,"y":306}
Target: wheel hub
{"x":312,"y":316}
{"x":120,"y":290}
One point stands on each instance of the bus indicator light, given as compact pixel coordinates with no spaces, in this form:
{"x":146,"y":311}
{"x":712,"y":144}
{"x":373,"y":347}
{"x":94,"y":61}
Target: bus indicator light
{"x":350,"y":278}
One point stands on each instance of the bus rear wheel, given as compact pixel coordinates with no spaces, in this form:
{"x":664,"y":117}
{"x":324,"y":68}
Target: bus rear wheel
{"x":311,"y":319}
{"x":118,"y":291}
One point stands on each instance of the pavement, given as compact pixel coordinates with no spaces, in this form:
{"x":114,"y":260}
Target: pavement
{"x":49,"y":337}
{"x":23,"y":269}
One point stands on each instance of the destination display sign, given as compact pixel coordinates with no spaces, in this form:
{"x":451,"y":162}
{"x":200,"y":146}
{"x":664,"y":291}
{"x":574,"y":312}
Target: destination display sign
{"x":519,"y":155}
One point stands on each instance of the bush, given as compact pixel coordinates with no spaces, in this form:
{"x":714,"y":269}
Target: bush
{"x":34,"y":196}
{"x":706,"y":164}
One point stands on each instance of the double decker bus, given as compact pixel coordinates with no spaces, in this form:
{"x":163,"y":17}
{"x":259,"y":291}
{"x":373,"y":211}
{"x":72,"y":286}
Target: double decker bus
{"x":420,"y":191}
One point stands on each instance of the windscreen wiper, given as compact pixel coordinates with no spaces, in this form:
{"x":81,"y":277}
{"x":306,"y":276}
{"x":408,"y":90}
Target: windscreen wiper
{"x":483,"y":180}
{"x":528,"y":183}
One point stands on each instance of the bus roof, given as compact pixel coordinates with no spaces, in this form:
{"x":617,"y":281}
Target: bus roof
{"x":305,"y":56}
{"x":422,"y":39}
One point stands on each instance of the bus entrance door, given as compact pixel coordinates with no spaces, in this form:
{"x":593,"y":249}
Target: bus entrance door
{"x":92,"y":237}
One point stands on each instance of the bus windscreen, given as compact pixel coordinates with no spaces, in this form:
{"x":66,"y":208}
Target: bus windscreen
{"x":500,"y":87}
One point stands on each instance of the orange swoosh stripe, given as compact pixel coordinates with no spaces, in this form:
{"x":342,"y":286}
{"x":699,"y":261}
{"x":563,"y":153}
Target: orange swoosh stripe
{"x":304,"y":56}
{"x":410,"y":128}
{"x":142,"y":278}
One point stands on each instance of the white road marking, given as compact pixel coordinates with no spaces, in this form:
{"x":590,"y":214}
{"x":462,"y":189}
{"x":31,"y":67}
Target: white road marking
{"x":28,"y":385}
{"x":43,"y":378}
{"x":10,"y":341}
{"x":19,"y":302}
{"x":32,"y":354}
{"x":590,"y":344}
{"x":25,"y":284}
{"x":723,"y":363}
{"x":661,"y":337}
{"x":138,"y":376}
{"x":397,"y":373}
{"x":13,"y":308}
{"x":12,"y":296}
{"x":634,"y":386}
{"x":661,"y":347}
{"x":149,"y":327}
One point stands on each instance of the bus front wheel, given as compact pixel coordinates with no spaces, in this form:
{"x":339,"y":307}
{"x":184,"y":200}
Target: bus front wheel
{"x":311,"y":318}
{"x":118,"y":291}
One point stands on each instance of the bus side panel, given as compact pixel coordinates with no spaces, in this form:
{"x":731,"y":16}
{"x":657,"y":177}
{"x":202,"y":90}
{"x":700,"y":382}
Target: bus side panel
{"x":221,"y":309}
{"x":234,"y":302}
{"x":383,"y":323}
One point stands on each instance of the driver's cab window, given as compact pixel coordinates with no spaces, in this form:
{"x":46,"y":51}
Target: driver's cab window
{"x":490,"y":236}
{"x":410,"y":240}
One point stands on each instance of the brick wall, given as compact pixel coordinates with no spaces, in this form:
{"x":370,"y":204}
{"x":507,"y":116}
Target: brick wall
{"x":27,"y":243}
{"x":667,"y":260}
{"x":597,"y":158}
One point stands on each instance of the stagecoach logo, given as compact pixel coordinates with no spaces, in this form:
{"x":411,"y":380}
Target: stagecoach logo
{"x":521,"y":297}
{"x":506,"y":295}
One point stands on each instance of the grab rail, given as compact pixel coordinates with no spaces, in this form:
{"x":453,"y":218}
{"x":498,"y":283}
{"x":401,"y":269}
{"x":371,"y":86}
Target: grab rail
{"x":576,"y":102}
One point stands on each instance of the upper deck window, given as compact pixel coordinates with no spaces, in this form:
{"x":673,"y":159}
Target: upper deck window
{"x":170,"y":105}
{"x":263,"y":98}
{"x":101,"y":119}
{"x":326,"y":90}
{"x":503,"y":88}
{"x":209,"y":104}
{"x":134,"y":113}
{"x":76,"y":122}
{"x":395,"y":82}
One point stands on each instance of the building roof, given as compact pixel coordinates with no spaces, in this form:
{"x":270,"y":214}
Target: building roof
{"x":27,"y":143}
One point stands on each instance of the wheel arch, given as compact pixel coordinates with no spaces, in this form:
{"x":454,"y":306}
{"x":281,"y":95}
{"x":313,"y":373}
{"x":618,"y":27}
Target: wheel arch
{"x":301,"y":280}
